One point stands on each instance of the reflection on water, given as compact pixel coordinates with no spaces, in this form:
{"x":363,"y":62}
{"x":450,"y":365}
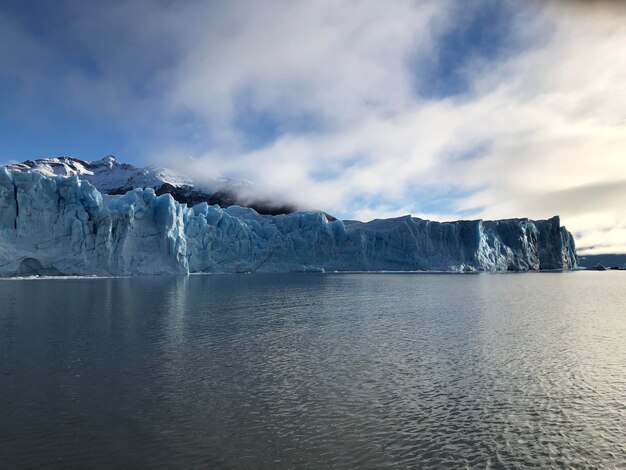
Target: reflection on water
{"x":283,"y":371}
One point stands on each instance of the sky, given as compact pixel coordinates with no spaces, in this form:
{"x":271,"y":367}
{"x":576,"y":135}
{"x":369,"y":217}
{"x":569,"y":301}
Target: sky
{"x":443,"y":109}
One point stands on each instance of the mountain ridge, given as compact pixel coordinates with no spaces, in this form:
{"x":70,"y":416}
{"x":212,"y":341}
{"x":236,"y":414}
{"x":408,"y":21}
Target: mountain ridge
{"x":113,"y":177}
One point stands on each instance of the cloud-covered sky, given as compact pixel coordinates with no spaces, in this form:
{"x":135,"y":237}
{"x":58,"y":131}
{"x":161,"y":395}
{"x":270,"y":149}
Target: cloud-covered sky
{"x":444,"y":109}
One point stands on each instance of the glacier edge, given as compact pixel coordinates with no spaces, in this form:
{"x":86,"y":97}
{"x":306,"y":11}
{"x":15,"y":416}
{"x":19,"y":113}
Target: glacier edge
{"x":62,"y":225}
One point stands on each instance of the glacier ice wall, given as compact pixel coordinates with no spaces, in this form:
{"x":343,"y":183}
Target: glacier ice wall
{"x":61,"y":225}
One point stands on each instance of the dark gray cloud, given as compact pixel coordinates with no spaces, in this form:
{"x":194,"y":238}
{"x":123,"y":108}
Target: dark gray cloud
{"x":580,"y":200}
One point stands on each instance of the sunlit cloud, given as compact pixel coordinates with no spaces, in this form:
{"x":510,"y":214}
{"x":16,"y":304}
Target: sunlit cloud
{"x":364,"y":109}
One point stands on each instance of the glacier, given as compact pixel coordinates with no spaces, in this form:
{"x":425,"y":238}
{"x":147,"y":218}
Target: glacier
{"x":62,"y":225}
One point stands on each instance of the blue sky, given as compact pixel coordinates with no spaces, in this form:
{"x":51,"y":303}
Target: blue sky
{"x":443,"y":109}
{"x":47,"y":118}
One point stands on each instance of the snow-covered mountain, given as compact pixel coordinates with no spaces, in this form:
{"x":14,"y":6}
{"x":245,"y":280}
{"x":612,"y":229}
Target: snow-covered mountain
{"x":51,"y":223}
{"x":114,"y":178}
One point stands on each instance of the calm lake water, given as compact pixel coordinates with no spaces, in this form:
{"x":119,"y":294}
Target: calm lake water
{"x":316,"y":371}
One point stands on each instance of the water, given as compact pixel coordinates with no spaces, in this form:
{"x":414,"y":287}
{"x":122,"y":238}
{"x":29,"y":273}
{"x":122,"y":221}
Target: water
{"x":322,"y":371}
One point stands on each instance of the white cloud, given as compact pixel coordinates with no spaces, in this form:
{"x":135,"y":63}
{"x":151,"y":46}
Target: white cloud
{"x":339,"y":61}
{"x":541,"y":129}
{"x":549,"y":118}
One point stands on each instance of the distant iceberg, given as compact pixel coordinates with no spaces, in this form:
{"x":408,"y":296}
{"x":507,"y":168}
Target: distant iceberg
{"x":62,"y":225}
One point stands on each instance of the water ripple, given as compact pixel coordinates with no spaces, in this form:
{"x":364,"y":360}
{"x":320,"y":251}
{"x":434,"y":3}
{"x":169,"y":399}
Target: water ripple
{"x":315,"y":371}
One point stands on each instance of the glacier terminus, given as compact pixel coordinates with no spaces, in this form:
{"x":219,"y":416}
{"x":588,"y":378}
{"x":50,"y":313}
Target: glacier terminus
{"x":64,"y":216}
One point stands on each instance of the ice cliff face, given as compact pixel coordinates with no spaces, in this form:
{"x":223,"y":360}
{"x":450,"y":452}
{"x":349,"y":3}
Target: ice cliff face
{"x":63,"y":225}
